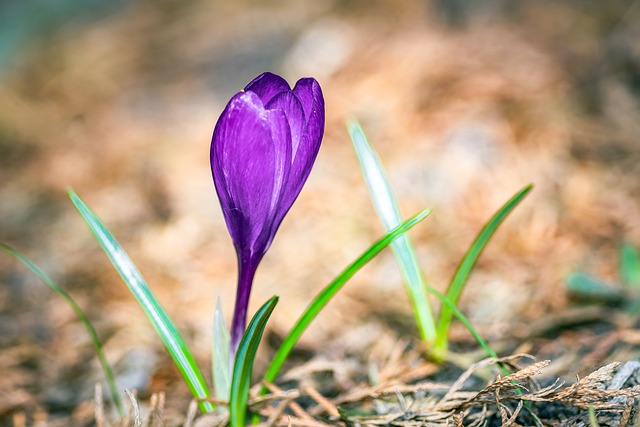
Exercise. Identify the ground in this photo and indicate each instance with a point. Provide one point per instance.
(465, 102)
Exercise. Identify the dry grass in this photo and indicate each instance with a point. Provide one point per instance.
(512, 400)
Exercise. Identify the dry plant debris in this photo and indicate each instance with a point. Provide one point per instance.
(525, 397)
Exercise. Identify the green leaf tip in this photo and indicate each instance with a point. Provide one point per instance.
(243, 367)
(466, 265)
(173, 341)
(221, 363)
(388, 210)
(95, 339)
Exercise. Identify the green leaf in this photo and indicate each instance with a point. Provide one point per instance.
(175, 345)
(221, 363)
(243, 366)
(386, 206)
(629, 265)
(323, 298)
(465, 321)
(586, 287)
(97, 343)
(465, 267)
(593, 418)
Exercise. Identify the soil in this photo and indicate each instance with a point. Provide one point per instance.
(465, 102)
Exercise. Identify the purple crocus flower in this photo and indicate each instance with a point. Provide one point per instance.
(262, 151)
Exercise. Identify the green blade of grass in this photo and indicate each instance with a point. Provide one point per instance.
(386, 206)
(466, 265)
(587, 287)
(467, 324)
(629, 265)
(220, 363)
(464, 320)
(175, 345)
(321, 300)
(593, 418)
(243, 367)
(97, 343)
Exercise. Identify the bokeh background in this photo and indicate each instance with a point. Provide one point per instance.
(466, 102)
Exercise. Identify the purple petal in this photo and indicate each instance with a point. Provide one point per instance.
(308, 92)
(289, 104)
(283, 150)
(267, 85)
(310, 95)
(248, 156)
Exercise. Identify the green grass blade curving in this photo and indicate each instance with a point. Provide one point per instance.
(386, 206)
(467, 324)
(593, 418)
(466, 265)
(321, 300)
(446, 302)
(175, 345)
(97, 343)
(629, 265)
(243, 366)
(220, 362)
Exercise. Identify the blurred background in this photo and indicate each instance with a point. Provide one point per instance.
(466, 102)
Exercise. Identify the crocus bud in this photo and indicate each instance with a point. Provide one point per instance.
(262, 151)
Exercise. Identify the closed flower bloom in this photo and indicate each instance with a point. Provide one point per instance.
(262, 151)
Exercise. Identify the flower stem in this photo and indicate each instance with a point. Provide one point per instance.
(246, 272)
